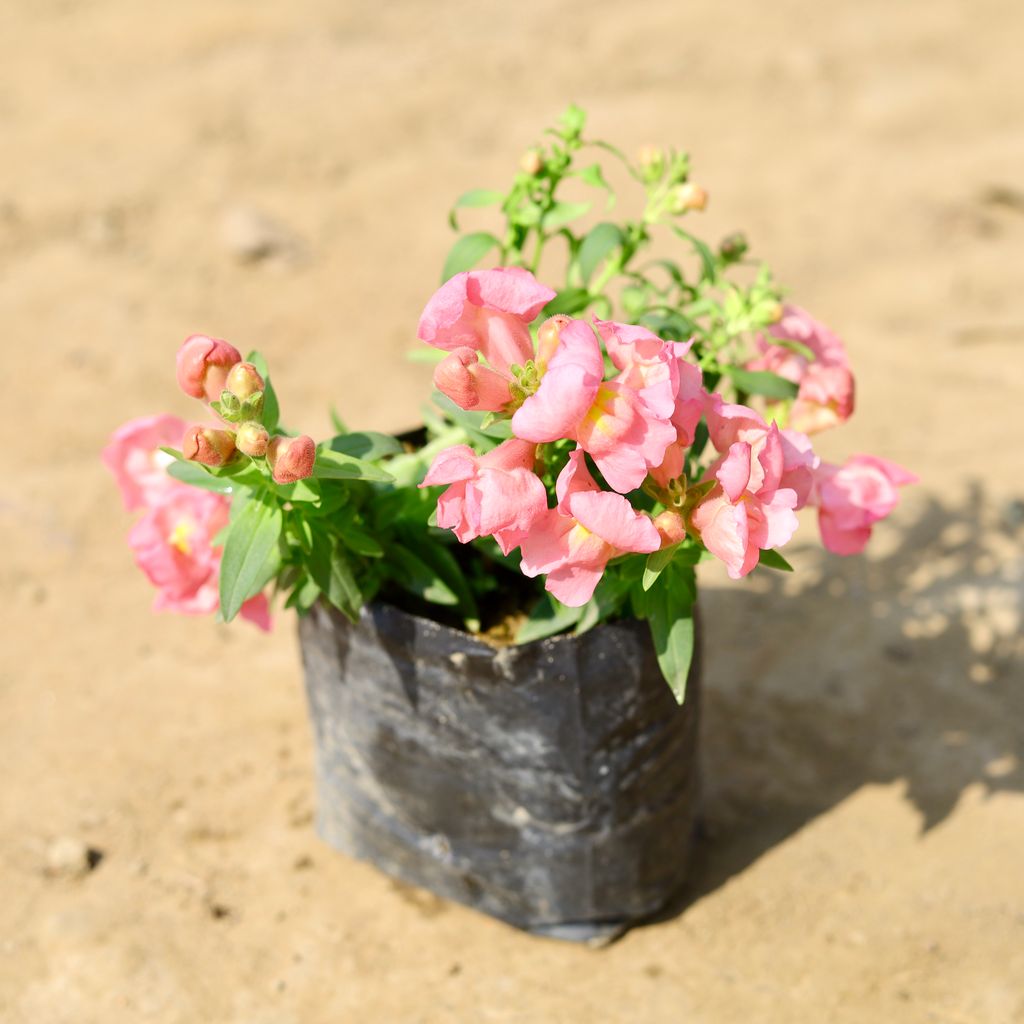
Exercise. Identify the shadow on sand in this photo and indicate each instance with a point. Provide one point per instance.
(907, 665)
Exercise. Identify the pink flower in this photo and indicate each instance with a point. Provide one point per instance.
(793, 460)
(203, 366)
(612, 421)
(291, 458)
(496, 494)
(488, 311)
(853, 497)
(133, 455)
(173, 546)
(573, 543)
(748, 510)
(826, 390)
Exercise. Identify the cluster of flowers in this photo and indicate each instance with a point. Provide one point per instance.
(174, 542)
(637, 427)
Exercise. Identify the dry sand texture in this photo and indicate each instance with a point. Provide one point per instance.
(278, 174)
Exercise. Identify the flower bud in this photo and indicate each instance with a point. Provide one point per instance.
(651, 160)
(203, 364)
(243, 380)
(687, 196)
(208, 445)
(468, 384)
(734, 247)
(548, 337)
(252, 439)
(291, 458)
(670, 527)
(531, 163)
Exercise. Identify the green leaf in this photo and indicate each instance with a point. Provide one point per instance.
(198, 476)
(271, 408)
(467, 252)
(359, 541)
(304, 595)
(569, 300)
(563, 213)
(333, 575)
(366, 444)
(332, 465)
(670, 617)
(593, 175)
(474, 197)
(761, 382)
(251, 554)
(473, 422)
(656, 564)
(707, 259)
(771, 559)
(548, 616)
(414, 575)
(597, 245)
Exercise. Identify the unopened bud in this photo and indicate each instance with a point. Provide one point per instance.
(208, 445)
(531, 163)
(470, 385)
(203, 364)
(687, 196)
(734, 247)
(651, 160)
(252, 440)
(291, 458)
(243, 380)
(670, 528)
(548, 337)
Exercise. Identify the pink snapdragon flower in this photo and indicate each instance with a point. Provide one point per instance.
(489, 311)
(826, 389)
(496, 494)
(133, 455)
(852, 497)
(748, 510)
(793, 460)
(173, 546)
(574, 542)
(203, 365)
(613, 421)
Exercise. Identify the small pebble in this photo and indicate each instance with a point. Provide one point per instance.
(250, 236)
(68, 857)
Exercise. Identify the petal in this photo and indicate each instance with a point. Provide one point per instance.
(612, 518)
(451, 465)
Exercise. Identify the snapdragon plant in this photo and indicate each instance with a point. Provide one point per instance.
(591, 440)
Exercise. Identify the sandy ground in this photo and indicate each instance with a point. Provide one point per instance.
(864, 850)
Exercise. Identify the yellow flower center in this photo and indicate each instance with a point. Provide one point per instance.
(180, 535)
(601, 413)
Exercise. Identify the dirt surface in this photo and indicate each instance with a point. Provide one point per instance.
(278, 174)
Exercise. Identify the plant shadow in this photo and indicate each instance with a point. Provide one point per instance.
(904, 665)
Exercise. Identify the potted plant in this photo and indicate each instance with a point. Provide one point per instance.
(498, 610)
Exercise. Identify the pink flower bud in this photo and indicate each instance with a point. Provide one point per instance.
(531, 163)
(688, 196)
(291, 458)
(208, 445)
(470, 385)
(252, 439)
(243, 380)
(203, 365)
(670, 527)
